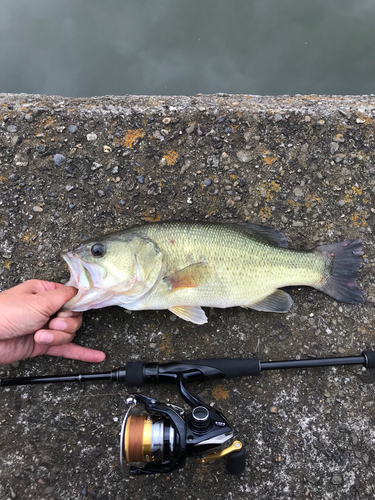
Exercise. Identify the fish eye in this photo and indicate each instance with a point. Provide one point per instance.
(98, 250)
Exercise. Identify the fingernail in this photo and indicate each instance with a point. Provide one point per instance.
(59, 325)
(45, 338)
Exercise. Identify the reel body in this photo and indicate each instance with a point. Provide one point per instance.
(165, 436)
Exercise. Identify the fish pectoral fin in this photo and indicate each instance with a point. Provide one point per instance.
(278, 301)
(195, 314)
(189, 277)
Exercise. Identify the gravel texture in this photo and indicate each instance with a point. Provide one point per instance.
(74, 168)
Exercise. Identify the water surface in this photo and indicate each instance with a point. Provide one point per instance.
(92, 47)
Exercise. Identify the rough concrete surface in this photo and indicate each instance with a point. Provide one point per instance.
(75, 168)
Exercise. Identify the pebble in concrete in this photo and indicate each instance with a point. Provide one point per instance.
(59, 160)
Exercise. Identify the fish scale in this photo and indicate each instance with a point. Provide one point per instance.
(243, 270)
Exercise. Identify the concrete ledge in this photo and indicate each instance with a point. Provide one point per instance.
(78, 167)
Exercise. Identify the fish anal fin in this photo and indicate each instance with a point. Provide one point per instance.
(189, 277)
(195, 314)
(278, 301)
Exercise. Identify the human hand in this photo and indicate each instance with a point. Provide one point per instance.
(26, 327)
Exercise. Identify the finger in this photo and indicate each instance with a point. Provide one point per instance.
(53, 337)
(38, 286)
(56, 298)
(68, 314)
(74, 351)
(68, 325)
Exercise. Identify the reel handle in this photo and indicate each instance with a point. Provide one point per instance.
(236, 462)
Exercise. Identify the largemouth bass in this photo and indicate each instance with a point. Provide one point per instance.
(184, 266)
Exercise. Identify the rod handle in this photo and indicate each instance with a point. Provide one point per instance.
(137, 373)
(226, 367)
(134, 375)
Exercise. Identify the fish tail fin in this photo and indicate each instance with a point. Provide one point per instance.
(344, 260)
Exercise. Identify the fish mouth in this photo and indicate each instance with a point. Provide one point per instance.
(93, 292)
(87, 278)
(79, 276)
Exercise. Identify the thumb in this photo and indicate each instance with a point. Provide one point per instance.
(54, 299)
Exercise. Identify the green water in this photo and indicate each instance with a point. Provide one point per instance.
(92, 47)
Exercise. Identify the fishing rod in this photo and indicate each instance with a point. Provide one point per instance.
(166, 435)
(137, 373)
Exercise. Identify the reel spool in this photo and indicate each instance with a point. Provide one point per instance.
(149, 439)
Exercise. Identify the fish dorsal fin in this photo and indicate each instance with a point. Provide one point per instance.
(189, 277)
(278, 301)
(195, 314)
(269, 235)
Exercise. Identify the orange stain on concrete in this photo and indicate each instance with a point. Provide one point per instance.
(171, 157)
(359, 219)
(310, 199)
(265, 212)
(220, 392)
(271, 188)
(131, 136)
(151, 216)
(365, 119)
(29, 237)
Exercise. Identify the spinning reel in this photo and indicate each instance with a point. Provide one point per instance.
(165, 436)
